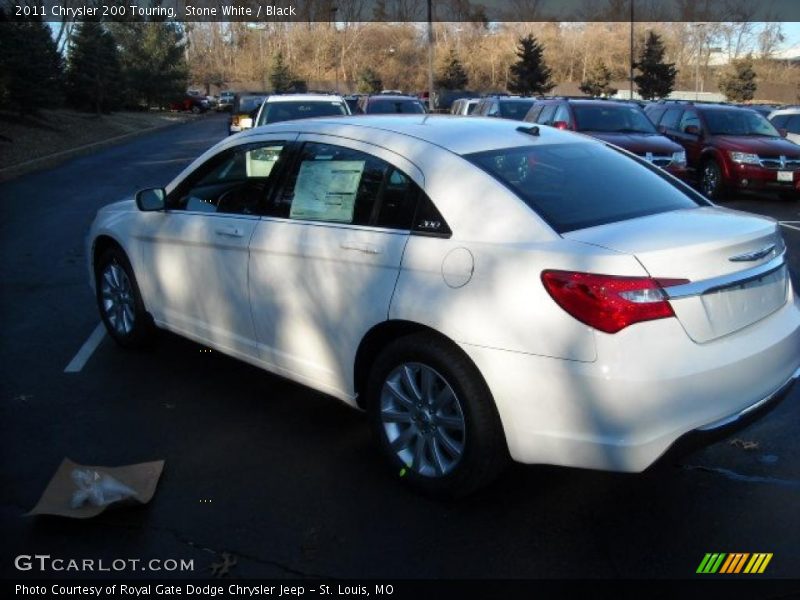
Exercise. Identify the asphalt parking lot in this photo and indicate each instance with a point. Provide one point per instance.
(285, 479)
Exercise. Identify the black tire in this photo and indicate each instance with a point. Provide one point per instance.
(711, 180)
(141, 330)
(484, 450)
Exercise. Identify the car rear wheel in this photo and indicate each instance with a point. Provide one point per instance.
(195, 110)
(711, 180)
(120, 302)
(434, 418)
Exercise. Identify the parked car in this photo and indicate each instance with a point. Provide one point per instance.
(443, 99)
(622, 124)
(244, 111)
(225, 101)
(382, 104)
(286, 107)
(483, 289)
(505, 107)
(190, 103)
(731, 148)
(464, 106)
(788, 120)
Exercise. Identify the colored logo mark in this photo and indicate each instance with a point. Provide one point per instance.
(736, 562)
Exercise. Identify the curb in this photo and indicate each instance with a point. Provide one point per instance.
(57, 158)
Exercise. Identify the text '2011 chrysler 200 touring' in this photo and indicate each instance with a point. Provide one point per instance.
(483, 289)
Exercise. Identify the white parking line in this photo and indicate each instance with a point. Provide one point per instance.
(790, 224)
(85, 353)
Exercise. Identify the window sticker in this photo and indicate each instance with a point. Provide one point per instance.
(326, 191)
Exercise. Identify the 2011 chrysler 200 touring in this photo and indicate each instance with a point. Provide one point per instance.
(484, 289)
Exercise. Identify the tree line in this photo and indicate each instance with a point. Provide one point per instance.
(357, 56)
(105, 66)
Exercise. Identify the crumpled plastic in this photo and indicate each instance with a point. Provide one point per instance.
(97, 488)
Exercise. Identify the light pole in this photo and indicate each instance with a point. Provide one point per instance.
(430, 56)
(631, 79)
(335, 47)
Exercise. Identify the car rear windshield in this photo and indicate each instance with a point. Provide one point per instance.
(249, 103)
(395, 106)
(515, 109)
(574, 186)
(738, 122)
(608, 118)
(275, 112)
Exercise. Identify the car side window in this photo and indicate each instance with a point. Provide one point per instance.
(236, 181)
(671, 118)
(779, 121)
(493, 109)
(562, 114)
(533, 113)
(546, 116)
(689, 118)
(793, 124)
(339, 185)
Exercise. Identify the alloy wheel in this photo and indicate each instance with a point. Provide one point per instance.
(117, 298)
(422, 420)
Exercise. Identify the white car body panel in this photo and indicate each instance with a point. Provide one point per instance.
(297, 297)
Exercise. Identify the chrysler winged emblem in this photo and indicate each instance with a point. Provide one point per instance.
(751, 256)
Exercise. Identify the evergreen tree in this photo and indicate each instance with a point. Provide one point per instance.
(530, 75)
(656, 78)
(280, 76)
(369, 82)
(453, 76)
(598, 81)
(31, 69)
(739, 84)
(94, 76)
(152, 59)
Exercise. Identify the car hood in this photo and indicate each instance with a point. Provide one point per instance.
(638, 143)
(757, 145)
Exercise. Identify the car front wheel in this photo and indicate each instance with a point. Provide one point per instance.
(712, 180)
(119, 301)
(434, 418)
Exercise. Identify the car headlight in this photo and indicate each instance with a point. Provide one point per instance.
(745, 158)
(679, 158)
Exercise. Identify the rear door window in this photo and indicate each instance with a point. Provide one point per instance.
(546, 116)
(671, 118)
(574, 186)
(335, 184)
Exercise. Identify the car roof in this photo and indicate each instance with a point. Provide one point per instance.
(392, 97)
(458, 134)
(304, 98)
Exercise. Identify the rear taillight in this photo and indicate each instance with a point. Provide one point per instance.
(607, 302)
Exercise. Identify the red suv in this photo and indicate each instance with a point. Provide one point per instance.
(730, 147)
(620, 123)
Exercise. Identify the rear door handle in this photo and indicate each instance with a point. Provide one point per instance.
(229, 231)
(360, 247)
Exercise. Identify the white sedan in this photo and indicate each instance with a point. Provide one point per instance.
(484, 290)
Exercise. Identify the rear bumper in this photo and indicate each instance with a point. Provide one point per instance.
(650, 386)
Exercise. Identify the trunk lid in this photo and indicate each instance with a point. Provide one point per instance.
(733, 261)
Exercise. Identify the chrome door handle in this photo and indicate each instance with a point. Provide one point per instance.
(229, 231)
(360, 247)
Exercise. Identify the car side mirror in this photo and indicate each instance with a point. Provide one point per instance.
(151, 199)
(662, 129)
(783, 132)
(560, 125)
(692, 130)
